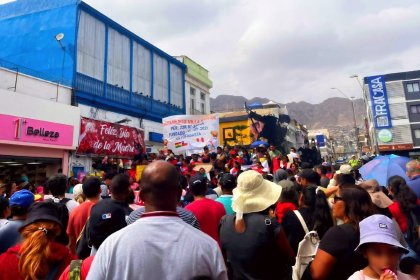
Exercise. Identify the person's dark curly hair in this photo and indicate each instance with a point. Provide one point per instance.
(406, 198)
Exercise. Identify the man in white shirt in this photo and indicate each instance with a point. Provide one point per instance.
(159, 245)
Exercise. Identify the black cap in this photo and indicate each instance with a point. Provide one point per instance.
(227, 181)
(106, 217)
(42, 211)
(197, 179)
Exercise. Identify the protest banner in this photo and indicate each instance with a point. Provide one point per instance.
(185, 133)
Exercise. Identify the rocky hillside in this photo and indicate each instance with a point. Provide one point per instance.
(333, 112)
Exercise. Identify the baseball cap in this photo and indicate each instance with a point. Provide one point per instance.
(227, 181)
(106, 217)
(379, 229)
(197, 179)
(345, 169)
(22, 198)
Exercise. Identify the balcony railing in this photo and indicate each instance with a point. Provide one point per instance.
(136, 105)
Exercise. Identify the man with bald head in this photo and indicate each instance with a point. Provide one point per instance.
(413, 173)
(159, 245)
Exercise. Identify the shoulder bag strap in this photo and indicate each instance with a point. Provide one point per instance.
(301, 220)
(83, 229)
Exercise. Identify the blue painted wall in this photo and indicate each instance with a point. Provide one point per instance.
(27, 39)
(28, 29)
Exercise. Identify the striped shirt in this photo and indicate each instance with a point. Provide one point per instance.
(185, 215)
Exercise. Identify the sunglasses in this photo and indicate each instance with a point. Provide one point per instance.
(337, 198)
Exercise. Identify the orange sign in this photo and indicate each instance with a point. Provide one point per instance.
(396, 147)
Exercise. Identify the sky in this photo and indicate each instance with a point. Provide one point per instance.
(294, 50)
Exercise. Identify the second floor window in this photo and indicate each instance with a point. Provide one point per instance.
(413, 87)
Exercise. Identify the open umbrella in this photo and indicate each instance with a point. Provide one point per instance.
(258, 143)
(382, 168)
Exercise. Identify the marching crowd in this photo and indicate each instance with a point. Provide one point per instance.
(233, 214)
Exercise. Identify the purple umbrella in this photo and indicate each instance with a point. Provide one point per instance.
(382, 168)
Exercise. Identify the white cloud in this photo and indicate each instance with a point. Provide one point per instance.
(284, 50)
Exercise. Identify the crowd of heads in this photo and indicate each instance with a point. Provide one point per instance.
(262, 182)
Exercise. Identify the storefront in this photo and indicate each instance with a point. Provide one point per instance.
(36, 136)
(106, 146)
(33, 148)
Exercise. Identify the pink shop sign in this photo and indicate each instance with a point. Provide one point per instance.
(19, 129)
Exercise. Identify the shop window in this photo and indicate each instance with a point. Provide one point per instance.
(417, 133)
(413, 87)
(415, 109)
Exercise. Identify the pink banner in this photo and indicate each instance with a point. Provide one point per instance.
(19, 129)
(104, 138)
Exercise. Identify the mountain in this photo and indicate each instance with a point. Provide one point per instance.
(333, 112)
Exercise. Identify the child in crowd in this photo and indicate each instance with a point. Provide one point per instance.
(379, 244)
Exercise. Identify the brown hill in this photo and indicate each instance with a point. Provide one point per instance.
(333, 112)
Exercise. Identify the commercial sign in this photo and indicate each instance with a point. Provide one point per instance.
(104, 138)
(191, 133)
(379, 98)
(320, 140)
(18, 129)
(385, 135)
(396, 147)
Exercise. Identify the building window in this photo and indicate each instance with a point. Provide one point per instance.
(417, 133)
(192, 104)
(192, 91)
(160, 70)
(203, 110)
(177, 90)
(415, 109)
(90, 47)
(118, 59)
(141, 70)
(202, 96)
(413, 87)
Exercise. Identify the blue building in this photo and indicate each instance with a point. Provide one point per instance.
(107, 66)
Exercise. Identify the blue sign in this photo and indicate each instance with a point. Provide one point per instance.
(155, 137)
(379, 98)
(320, 140)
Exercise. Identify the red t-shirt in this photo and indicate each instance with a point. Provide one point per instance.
(208, 213)
(399, 216)
(282, 208)
(78, 218)
(84, 269)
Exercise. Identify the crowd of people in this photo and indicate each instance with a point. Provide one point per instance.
(233, 214)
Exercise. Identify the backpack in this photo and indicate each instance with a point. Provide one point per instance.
(63, 216)
(75, 272)
(413, 233)
(306, 250)
(83, 247)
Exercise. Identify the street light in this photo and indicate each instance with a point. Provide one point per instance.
(351, 98)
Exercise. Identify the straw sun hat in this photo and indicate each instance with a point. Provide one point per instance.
(253, 193)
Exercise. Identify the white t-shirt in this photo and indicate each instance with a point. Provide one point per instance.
(358, 275)
(158, 247)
